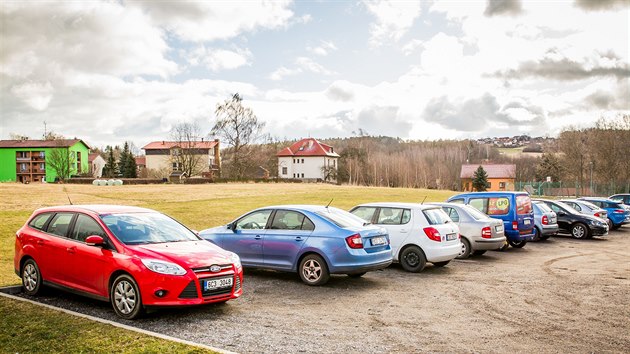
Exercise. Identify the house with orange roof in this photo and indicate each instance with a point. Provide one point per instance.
(166, 156)
(309, 160)
(501, 177)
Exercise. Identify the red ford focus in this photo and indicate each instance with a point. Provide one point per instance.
(133, 257)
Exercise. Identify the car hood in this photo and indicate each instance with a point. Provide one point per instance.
(192, 254)
(214, 230)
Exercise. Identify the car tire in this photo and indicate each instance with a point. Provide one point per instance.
(479, 253)
(518, 244)
(610, 224)
(465, 252)
(313, 270)
(357, 275)
(441, 264)
(412, 259)
(615, 227)
(125, 297)
(579, 231)
(31, 278)
(544, 237)
(505, 246)
(536, 234)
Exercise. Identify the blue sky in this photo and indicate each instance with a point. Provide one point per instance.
(113, 71)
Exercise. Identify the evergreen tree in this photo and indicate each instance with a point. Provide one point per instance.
(110, 170)
(480, 180)
(123, 161)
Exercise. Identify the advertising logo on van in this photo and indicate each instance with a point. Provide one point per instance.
(498, 206)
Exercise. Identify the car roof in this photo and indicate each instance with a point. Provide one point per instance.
(599, 199)
(97, 208)
(401, 205)
(300, 207)
(491, 193)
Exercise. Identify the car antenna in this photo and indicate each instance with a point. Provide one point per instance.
(327, 205)
(67, 195)
(423, 199)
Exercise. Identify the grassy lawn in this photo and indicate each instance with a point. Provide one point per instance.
(197, 206)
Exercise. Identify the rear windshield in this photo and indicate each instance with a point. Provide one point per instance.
(436, 216)
(543, 207)
(341, 218)
(590, 205)
(523, 205)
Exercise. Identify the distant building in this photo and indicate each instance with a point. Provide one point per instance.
(141, 166)
(96, 165)
(163, 156)
(27, 161)
(500, 177)
(308, 159)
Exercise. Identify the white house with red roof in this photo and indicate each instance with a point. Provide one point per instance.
(163, 155)
(308, 159)
(96, 164)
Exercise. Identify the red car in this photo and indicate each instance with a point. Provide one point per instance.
(133, 257)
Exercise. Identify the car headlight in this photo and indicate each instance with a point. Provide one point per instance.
(163, 267)
(236, 260)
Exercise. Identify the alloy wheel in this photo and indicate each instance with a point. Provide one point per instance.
(30, 277)
(125, 297)
(312, 270)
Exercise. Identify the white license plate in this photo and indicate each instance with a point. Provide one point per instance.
(498, 228)
(217, 283)
(378, 241)
(451, 237)
(526, 222)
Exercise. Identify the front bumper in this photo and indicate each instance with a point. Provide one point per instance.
(186, 290)
(599, 230)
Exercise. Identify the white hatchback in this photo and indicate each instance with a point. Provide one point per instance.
(418, 233)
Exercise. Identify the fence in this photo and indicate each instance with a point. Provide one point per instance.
(572, 189)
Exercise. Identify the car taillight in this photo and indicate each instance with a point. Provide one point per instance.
(598, 215)
(433, 234)
(545, 220)
(486, 232)
(514, 225)
(354, 241)
(619, 211)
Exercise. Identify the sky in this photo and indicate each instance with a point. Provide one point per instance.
(114, 71)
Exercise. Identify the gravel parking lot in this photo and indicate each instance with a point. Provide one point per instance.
(559, 295)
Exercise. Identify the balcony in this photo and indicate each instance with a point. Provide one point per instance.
(23, 159)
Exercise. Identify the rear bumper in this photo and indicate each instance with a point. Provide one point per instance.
(360, 268)
(488, 244)
(443, 253)
(516, 236)
(549, 229)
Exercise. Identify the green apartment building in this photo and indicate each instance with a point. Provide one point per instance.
(26, 160)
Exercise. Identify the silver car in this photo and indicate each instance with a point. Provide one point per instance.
(479, 232)
(545, 221)
(588, 208)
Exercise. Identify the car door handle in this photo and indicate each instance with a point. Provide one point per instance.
(71, 249)
(257, 237)
(298, 238)
(40, 242)
(403, 231)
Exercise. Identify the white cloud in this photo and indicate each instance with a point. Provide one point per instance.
(199, 21)
(393, 19)
(412, 46)
(302, 65)
(323, 49)
(217, 59)
(35, 94)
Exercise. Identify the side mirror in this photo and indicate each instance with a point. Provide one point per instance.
(231, 226)
(95, 240)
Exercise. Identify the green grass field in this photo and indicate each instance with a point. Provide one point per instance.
(197, 206)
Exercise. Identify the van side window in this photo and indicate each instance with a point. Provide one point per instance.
(480, 204)
(457, 201)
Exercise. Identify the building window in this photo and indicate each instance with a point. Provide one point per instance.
(302, 160)
(176, 152)
(489, 185)
(302, 175)
(42, 166)
(501, 185)
(175, 166)
(334, 163)
(294, 175)
(42, 154)
(22, 167)
(284, 171)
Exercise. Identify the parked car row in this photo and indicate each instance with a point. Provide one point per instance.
(137, 258)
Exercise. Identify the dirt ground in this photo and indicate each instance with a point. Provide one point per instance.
(561, 295)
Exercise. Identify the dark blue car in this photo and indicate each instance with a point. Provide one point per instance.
(514, 208)
(618, 214)
(314, 241)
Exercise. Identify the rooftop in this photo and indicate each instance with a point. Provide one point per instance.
(308, 147)
(493, 171)
(158, 145)
(40, 143)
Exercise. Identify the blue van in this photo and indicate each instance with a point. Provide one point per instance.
(514, 208)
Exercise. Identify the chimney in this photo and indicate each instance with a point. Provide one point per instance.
(202, 140)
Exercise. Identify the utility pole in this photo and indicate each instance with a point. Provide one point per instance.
(590, 164)
(45, 132)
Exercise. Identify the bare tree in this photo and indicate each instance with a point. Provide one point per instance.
(239, 127)
(187, 155)
(61, 160)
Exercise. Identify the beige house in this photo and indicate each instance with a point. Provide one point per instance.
(309, 160)
(96, 165)
(167, 157)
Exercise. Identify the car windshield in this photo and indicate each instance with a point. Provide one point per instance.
(147, 228)
(436, 216)
(476, 214)
(341, 218)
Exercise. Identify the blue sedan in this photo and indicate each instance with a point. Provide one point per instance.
(314, 241)
(617, 214)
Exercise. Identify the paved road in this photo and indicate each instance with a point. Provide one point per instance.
(559, 295)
